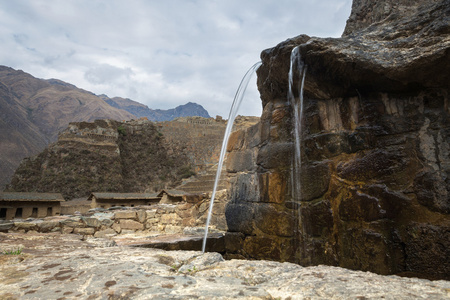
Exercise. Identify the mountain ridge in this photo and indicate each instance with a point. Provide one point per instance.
(140, 110)
(33, 111)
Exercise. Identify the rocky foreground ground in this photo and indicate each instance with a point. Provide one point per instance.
(67, 266)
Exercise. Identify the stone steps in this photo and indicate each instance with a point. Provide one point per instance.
(204, 182)
(196, 190)
(201, 186)
(209, 177)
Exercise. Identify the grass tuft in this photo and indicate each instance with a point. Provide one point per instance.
(18, 251)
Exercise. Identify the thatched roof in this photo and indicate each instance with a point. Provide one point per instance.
(22, 196)
(172, 193)
(124, 196)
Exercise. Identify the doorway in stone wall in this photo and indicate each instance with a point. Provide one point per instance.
(18, 213)
(49, 211)
(3, 213)
(34, 213)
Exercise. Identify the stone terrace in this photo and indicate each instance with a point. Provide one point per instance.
(204, 182)
(154, 219)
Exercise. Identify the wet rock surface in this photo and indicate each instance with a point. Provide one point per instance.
(58, 266)
(375, 152)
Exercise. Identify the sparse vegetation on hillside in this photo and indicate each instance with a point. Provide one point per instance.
(138, 161)
(34, 111)
(148, 163)
(72, 171)
(121, 130)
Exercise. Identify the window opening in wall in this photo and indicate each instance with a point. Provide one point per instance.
(49, 211)
(3, 213)
(34, 213)
(132, 205)
(18, 213)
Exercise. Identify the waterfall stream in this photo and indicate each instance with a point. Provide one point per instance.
(297, 73)
(233, 112)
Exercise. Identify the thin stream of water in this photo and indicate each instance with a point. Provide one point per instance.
(297, 67)
(233, 112)
(296, 64)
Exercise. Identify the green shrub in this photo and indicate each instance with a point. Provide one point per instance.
(122, 130)
(186, 172)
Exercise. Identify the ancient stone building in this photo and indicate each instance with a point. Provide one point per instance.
(107, 200)
(134, 156)
(14, 205)
(171, 196)
(200, 138)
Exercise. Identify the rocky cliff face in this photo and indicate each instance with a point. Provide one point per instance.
(375, 189)
(104, 155)
(132, 156)
(33, 111)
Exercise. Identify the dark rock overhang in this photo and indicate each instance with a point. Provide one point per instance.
(397, 54)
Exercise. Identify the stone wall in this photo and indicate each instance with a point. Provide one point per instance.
(27, 209)
(158, 218)
(200, 138)
(75, 206)
(101, 132)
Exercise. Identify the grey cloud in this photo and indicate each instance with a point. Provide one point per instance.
(105, 73)
(162, 53)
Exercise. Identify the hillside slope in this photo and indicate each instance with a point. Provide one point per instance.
(19, 137)
(131, 156)
(104, 155)
(34, 110)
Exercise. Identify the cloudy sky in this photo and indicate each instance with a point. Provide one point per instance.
(162, 53)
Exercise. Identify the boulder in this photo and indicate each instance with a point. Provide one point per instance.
(131, 224)
(141, 215)
(84, 231)
(125, 214)
(116, 227)
(5, 226)
(48, 226)
(372, 191)
(92, 222)
(107, 233)
(73, 222)
(25, 226)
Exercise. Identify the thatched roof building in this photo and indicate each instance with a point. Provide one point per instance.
(106, 200)
(20, 205)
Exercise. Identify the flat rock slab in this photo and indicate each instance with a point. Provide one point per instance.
(215, 242)
(55, 266)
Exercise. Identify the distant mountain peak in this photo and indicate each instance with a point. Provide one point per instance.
(189, 109)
